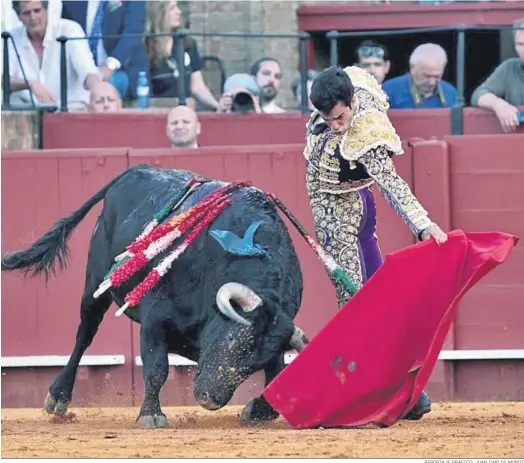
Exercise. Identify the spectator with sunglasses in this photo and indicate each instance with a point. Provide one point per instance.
(423, 87)
(374, 58)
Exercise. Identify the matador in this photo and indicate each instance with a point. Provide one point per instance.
(350, 145)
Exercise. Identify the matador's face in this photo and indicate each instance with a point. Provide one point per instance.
(339, 118)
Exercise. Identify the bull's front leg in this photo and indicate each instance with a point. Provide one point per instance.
(258, 410)
(154, 352)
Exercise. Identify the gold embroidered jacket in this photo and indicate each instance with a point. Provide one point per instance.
(362, 155)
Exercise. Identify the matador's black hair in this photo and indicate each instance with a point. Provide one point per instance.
(332, 86)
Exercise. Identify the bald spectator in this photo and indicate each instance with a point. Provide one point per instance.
(104, 98)
(503, 90)
(183, 127)
(423, 87)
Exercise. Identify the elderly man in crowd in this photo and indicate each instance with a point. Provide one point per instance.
(423, 87)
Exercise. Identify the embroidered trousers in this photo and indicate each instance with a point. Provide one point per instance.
(345, 226)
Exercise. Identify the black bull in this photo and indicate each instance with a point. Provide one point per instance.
(233, 315)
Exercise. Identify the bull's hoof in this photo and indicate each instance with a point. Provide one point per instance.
(55, 406)
(257, 412)
(158, 420)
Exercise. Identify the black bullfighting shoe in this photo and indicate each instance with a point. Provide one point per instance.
(422, 407)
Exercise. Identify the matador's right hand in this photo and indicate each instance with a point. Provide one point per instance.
(434, 231)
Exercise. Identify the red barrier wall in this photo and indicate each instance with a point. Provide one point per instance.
(475, 183)
(452, 178)
(83, 130)
(38, 188)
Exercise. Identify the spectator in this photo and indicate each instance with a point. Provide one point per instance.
(120, 59)
(104, 98)
(374, 58)
(163, 17)
(423, 87)
(241, 95)
(296, 88)
(268, 76)
(503, 90)
(39, 54)
(183, 127)
(10, 17)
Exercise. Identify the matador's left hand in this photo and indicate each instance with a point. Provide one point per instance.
(434, 231)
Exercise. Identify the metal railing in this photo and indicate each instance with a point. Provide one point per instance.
(457, 115)
(220, 64)
(179, 37)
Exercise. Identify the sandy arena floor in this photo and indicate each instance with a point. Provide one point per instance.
(480, 430)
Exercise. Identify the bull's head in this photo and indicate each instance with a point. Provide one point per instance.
(234, 351)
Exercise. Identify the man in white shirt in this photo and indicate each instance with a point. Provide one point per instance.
(10, 18)
(39, 53)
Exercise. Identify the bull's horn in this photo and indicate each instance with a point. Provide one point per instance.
(243, 295)
(298, 340)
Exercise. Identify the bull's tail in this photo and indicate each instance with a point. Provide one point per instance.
(43, 254)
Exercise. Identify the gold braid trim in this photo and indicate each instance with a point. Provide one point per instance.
(363, 80)
(370, 127)
(369, 130)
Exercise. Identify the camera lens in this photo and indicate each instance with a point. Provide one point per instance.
(243, 103)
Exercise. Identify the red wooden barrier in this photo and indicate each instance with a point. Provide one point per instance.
(475, 183)
(486, 177)
(38, 188)
(148, 130)
(459, 180)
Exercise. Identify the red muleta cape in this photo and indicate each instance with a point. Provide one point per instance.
(369, 364)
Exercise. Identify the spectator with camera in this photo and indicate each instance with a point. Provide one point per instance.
(241, 94)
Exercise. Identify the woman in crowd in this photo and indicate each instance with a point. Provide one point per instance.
(164, 17)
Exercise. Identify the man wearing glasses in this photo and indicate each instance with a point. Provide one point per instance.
(374, 58)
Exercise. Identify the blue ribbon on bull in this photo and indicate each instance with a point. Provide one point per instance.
(240, 246)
